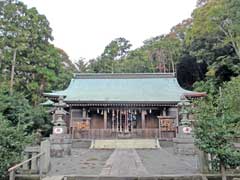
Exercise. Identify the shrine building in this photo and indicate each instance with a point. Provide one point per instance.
(109, 106)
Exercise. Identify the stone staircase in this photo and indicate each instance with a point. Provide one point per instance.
(125, 144)
(55, 178)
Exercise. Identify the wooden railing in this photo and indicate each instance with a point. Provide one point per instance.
(112, 134)
(35, 165)
(36, 161)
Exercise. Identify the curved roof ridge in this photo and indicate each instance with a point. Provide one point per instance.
(122, 75)
(143, 87)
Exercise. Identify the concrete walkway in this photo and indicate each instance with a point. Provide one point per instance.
(124, 162)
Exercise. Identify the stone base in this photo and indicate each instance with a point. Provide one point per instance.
(184, 145)
(60, 145)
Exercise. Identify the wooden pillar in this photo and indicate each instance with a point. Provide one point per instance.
(159, 127)
(126, 120)
(105, 118)
(164, 111)
(113, 119)
(84, 113)
(177, 116)
(143, 118)
(120, 118)
(117, 120)
(131, 121)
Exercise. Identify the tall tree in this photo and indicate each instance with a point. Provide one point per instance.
(13, 36)
(116, 49)
(218, 125)
(215, 37)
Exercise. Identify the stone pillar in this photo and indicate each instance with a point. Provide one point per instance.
(45, 159)
(33, 151)
(34, 163)
(26, 157)
(105, 118)
(143, 118)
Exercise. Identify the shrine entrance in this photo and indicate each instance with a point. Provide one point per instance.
(106, 123)
(124, 121)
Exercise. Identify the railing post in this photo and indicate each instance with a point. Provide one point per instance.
(34, 168)
(44, 163)
(12, 175)
(26, 165)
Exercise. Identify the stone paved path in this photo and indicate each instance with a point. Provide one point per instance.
(81, 162)
(124, 162)
(164, 162)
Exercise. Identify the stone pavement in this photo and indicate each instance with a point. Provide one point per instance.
(81, 162)
(124, 163)
(165, 162)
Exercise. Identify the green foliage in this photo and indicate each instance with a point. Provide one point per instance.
(218, 125)
(18, 112)
(39, 65)
(158, 54)
(214, 37)
(12, 143)
(116, 49)
(231, 96)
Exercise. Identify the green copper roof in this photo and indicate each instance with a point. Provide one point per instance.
(123, 88)
(47, 103)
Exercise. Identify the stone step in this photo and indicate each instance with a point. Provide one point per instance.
(54, 178)
(125, 144)
(81, 143)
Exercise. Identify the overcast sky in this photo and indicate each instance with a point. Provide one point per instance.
(82, 28)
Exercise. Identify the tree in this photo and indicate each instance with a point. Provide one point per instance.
(218, 126)
(214, 37)
(12, 143)
(82, 65)
(13, 37)
(116, 49)
(17, 110)
(37, 65)
(164, 52)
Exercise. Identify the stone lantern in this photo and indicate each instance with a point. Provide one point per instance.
(60, 141)
(184, 142)
(59, 123)
(185, 124)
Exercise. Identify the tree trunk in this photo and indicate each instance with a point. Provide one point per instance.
(12, 71)
(223, 171)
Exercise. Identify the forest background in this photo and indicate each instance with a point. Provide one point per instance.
(203, 51)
